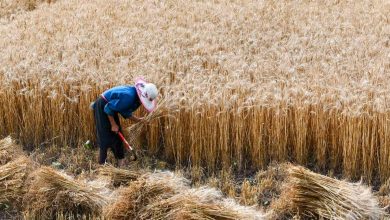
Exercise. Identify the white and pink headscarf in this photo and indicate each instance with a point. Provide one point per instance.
(147, 93)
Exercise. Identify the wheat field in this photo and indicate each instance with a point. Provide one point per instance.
(243, 83)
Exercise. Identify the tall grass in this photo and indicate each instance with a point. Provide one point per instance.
(247, 82)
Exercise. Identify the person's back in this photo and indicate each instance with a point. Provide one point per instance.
(121, 99)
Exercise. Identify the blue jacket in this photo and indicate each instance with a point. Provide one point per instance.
(122, 99)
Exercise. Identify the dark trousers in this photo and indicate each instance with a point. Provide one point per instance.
(105, 137)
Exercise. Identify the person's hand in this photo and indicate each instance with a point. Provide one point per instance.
(115, 128)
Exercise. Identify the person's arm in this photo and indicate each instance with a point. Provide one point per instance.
(114, 126)
(110, 108)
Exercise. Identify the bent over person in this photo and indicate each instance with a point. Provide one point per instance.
(123, 100)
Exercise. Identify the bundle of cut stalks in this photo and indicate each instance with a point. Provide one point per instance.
(9, 150)
(384, 190)
(176, 181)
(13, 177)
(312, 194)
(135, 130)
(119, 176)
(147, 189)
(383, 196)
(164, 195)
(384, 202)
(198, 203)
(270, 184)
(243, 212)
(53, 193)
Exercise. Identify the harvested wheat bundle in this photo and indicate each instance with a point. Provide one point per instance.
(385, 188)
(383, 196)
(324, 197)
(9, 150)
(270, 184)
(134, 198)
(119, 176)
(176, 181)
(135, 130)
(145, 190)
(53, 193)
(243, 212)
(13, 177)
(197, 203)
(101, 185)
(384, 202)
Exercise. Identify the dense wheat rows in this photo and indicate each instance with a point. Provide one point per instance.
(245, 82)
(9, 9)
